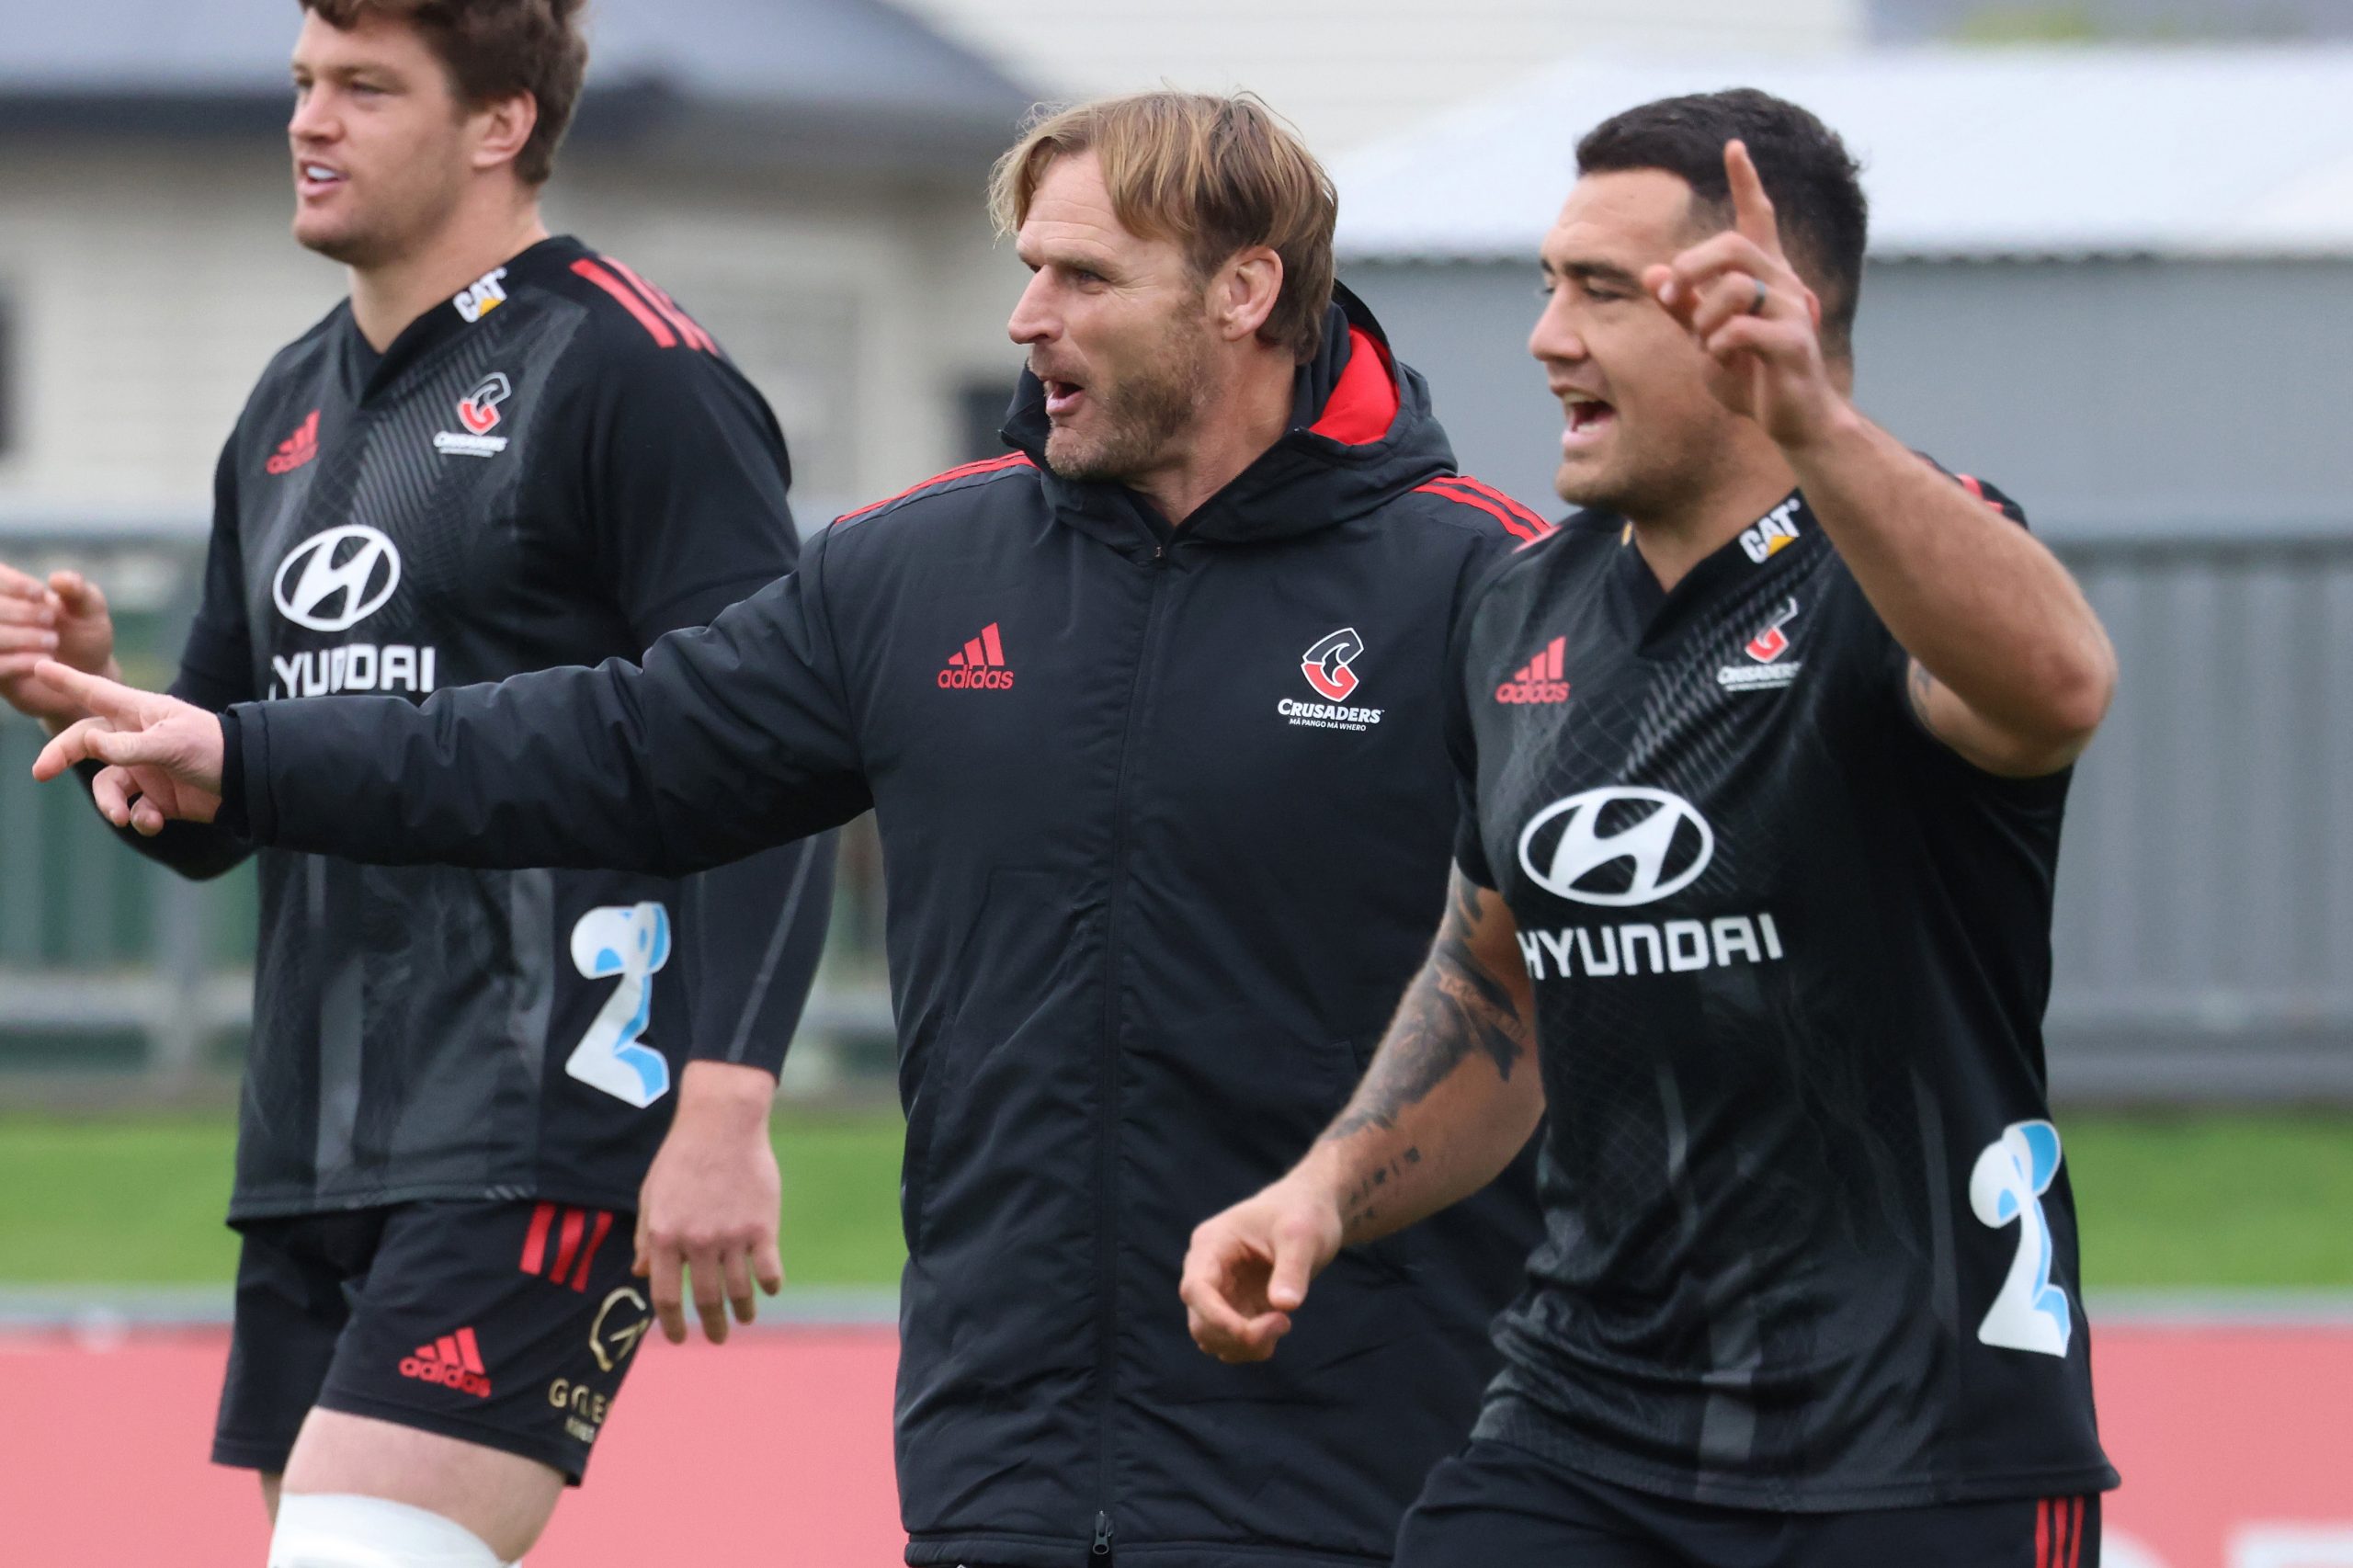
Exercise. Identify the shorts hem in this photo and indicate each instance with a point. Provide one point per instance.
(246, 1208)
(257, 1454)
(1684, 1487)
(1010, 1551)
(564, 1458)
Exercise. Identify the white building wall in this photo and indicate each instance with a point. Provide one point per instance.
(1349, 70)
(149, 285)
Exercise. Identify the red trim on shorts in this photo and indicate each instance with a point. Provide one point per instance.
(588, 1254)
(535, 1245)
(575, 1221)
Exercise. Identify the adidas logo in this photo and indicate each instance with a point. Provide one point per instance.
(454, 1361)
(979, 666)
(297, 448)
(1539, 679)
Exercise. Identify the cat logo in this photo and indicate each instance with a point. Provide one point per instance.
(1774, 532)
(481, 297)
(610, 1340)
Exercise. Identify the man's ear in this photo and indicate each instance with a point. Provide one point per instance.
(1245, 292)
(503, 126)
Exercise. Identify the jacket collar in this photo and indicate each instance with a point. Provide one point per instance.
(1361, 433)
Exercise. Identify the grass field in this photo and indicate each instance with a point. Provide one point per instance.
(2206, 1201)
(138, 1202)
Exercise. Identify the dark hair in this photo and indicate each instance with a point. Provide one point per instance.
(1814, 181)
(493, 50)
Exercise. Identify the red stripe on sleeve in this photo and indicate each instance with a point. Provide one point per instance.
(588, 1254)
(986, 465)
(535, 1245)
(630, 303)
(1492, 494)
(575, 1221)
(693, 335)
(1512, 525)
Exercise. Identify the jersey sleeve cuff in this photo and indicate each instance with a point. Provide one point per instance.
(237, 814)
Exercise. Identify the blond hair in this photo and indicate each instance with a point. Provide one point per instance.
(1209, 173)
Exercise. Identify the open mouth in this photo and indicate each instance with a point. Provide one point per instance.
(1061, 398)
(1588, 420)
(314, 179)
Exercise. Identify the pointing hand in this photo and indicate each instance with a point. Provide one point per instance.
(1749, 311)
(163, 755)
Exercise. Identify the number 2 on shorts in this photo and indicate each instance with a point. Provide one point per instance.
(631, 941)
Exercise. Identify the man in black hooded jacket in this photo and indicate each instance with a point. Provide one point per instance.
(1150, 712)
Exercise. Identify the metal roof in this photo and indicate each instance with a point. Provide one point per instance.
(830, 69)
(1966, 153)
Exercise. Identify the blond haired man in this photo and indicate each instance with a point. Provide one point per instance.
(1149, 711)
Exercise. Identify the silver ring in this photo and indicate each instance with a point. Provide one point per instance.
(1757, 306)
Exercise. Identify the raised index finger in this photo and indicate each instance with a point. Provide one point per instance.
(1752, 210)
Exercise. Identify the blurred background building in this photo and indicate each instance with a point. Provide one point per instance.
(2113, 270)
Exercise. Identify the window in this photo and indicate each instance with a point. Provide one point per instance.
(980, 415)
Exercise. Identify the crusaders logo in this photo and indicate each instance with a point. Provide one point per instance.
(478, 410)
(1325, 665)
(1772, 642)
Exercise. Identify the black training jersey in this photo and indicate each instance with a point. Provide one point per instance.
(554, 468)
(1809, 1244)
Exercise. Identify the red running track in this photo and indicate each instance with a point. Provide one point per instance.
(2236, 1446)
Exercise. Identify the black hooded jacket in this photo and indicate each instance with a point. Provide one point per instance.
(1167, 819)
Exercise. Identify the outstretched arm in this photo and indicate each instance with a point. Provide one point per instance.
(727, 740)
(1450, 1097)
(2009, 666)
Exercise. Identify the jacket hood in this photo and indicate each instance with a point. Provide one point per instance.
(1362, 434)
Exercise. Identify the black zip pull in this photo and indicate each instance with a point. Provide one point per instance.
(1103, 1535)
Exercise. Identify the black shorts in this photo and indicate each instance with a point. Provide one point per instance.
(1492, 1506)
(510, 1325)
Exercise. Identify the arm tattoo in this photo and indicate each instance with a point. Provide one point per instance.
(1357, 1208)
(1454, 1007)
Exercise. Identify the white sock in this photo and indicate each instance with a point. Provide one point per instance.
(339, 1529)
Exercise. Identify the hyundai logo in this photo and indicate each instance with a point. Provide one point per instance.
(1619, 845)
(345, 575)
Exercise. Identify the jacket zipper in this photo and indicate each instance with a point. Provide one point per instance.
(1106, 1140)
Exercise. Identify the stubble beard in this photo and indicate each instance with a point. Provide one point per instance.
(1658, 484)
(1143, 417)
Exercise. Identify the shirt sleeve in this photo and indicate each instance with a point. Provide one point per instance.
(1890, 672)
(216, 669)
(685, 489)
(686, 502)
(1461, 738)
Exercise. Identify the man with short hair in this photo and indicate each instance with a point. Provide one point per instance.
(1147, 711)
(504, 451)
(1764, 755)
